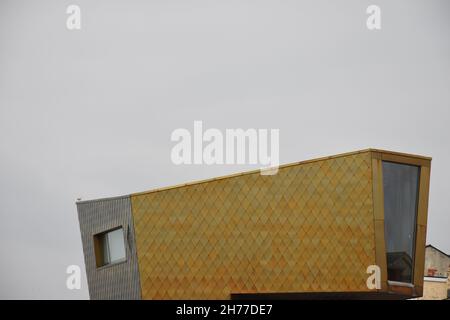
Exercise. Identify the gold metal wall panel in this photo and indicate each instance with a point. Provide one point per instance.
(378, 206)
(309, 228)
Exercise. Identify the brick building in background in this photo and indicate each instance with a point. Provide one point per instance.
(436, 284)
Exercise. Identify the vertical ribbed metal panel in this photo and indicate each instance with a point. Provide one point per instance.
(117, 281)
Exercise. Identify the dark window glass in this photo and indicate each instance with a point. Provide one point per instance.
(400, 184)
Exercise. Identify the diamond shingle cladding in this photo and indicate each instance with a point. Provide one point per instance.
(308, 228)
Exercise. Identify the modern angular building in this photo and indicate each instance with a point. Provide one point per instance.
(310, 231)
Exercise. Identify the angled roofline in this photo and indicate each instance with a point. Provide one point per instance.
(102, 199)
(431, 246)
(258, 170)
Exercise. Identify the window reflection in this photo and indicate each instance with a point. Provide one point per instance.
(400, 184)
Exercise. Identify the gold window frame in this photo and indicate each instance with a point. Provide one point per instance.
(424, 163)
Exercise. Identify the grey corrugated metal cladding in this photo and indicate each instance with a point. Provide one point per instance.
(118, 281)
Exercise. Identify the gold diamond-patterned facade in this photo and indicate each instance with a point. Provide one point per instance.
(309, 228)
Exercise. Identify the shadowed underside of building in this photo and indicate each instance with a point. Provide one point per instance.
(310, 231)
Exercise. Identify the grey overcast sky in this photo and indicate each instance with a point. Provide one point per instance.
(89, 113)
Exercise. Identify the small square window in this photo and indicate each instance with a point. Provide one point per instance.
(109, 247)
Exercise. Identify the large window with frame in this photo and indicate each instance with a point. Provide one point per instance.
(400, 186)
(109, 247)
